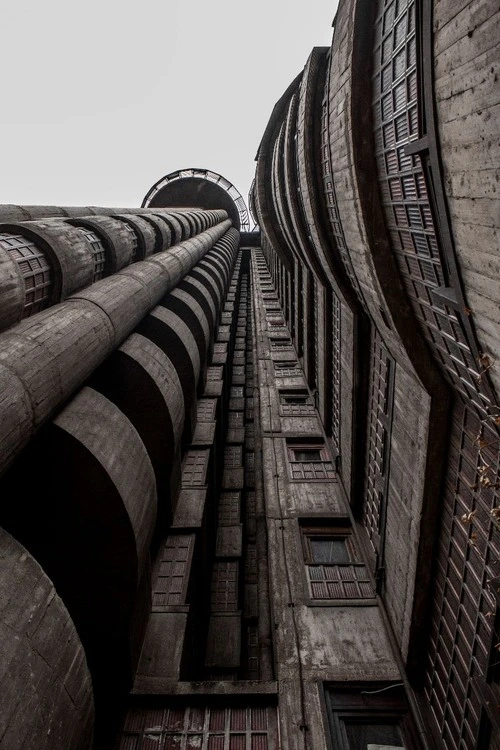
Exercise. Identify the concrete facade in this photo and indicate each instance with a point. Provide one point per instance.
(249, 480)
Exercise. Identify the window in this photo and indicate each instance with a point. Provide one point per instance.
(306, 454)
(291, 399)
(274, 320)
(309, 461)
(194, 469)
(295, 403)
(281, 343)
(286, 369)
(333, 550)
(174, 725)
(332, 563)
(370, 717)
(172, 571)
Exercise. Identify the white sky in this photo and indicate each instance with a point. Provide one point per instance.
(99, 99)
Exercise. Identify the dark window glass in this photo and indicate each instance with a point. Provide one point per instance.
(371, 716)
(307, 454)
(329, 551)
(374, 736)
(294, 399)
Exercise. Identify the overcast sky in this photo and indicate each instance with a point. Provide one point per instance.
(99, 99)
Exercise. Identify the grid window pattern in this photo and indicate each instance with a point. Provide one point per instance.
(236, 391)
(296, 403)
(250, 513)
(34, 268)
(194, 470)
(316, 330)
(468, 554)
(229, 509)
(336, 368)
(379, 442)
(279, 344)
(287, 369)
(206, 409)
(310, 462)
(170, 586)
(98, 252)
(252, 652)
(224, 589)
(233, 456)
(250, 563)
(214, 372)
(200, 728)
(274, 328)
(339, 582)
(235, 419)
(333, 571)
(405, 198)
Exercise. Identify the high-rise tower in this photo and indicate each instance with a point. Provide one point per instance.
(249, 480)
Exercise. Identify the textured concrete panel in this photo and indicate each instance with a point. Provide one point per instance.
(46, 700)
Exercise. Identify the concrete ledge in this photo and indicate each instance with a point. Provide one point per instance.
(162, 686)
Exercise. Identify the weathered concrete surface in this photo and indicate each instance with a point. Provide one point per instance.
(46, 700)
(467, 69)
(43, 361)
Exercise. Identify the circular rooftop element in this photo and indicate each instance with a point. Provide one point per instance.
(199, 188)
(251, 202)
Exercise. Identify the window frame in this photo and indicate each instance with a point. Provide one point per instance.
(304, 407)
(332, 532)
(351, 587)
(305, 444)
(382, 701)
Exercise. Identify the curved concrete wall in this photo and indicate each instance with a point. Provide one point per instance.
(43, 360)
(467, 98)
(111, 458)
(92, 531)
(46, 260)
(46, 701)
(326, 125)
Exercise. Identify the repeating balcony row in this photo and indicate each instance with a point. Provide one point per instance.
(44, 261)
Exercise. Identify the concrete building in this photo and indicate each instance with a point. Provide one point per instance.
(250, 480)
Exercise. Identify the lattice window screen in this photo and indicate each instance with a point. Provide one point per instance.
(339, 582)
(468, 557)
(405, 198)
(200, 728)
(34, 268)
(229, 508)
(171, 581)
(224, 590)
(194, 470)
(233, 456)
(336, 368)
(382, 372)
